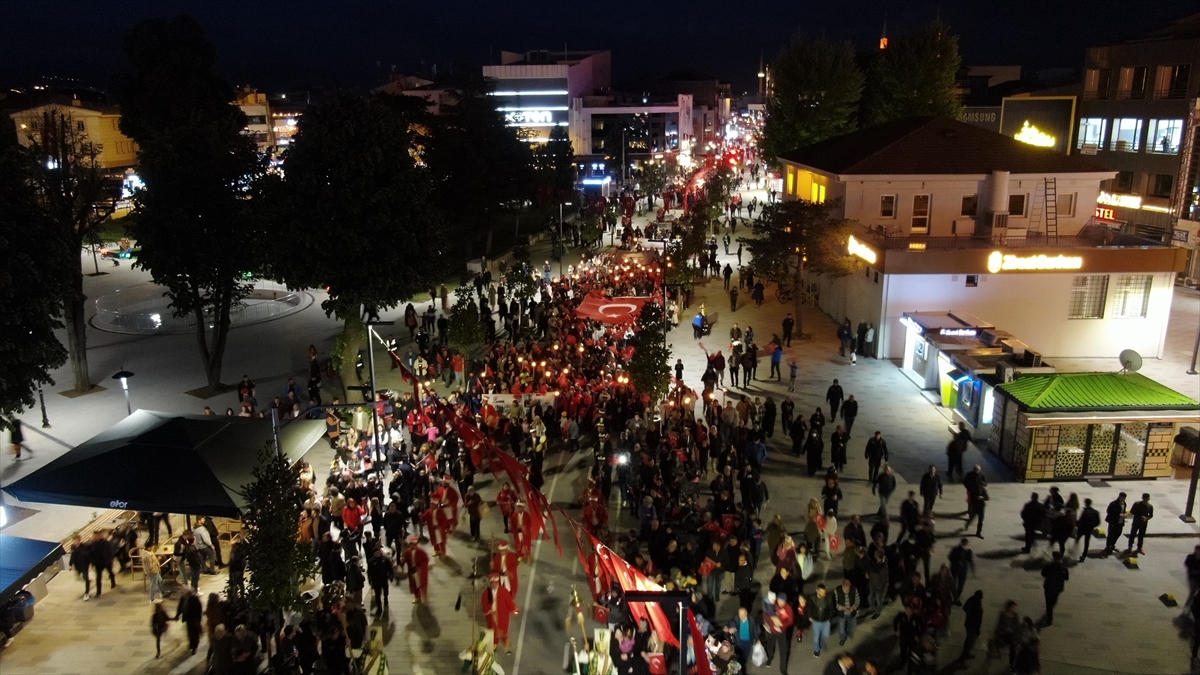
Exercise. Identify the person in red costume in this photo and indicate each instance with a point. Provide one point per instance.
(416, 564)
(522, 529)
(506, 499)
(599, 582)
(498, 608)
(504, 563)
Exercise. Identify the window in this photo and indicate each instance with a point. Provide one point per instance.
(1016, 206)
(1163, 136)
(1065, 205)
(817, 193)
(1096, 83)
(920, 217)
(970, 204)
(79, 125)
(1161, 184)
(1087, 297)
(1123, 181)
(1131, 296)
(887, 206)
(1127, 134)
(791, 185)
(972, 280)
(1131, 83)
(1171, 81)
(1091, 133)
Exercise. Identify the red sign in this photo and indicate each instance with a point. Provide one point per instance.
(1105, 213)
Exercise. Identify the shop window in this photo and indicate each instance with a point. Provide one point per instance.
(1172, 81)
(1163, 136)
(1131, 296)
(887, 206)
(920, 217)
(1123, 182)
(1161, 184)
(970, 204)
(1087, 297)
(972, 280)
(1016, 206)
(1091, 133)
(1127, 134)
(1131, 448)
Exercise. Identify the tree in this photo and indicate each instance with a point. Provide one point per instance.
(809, 229)
(196, 216)
(33, 282)
(656, 177)
(480, 167)
(355, 216)
(817, 85)
(465, 330)
(650, 367)
(915, 75)
(76, 199)
(277, 563)
(554, 164)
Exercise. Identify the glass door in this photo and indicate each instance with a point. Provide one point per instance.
(1101, 450)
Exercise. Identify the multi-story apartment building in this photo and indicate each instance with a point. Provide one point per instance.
(101, 124)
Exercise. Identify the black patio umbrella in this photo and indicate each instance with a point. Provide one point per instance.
(157, 461)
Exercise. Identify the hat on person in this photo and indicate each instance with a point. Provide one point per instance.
(502, 545)
(413, 539)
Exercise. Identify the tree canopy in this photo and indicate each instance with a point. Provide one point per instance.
(650, 367)
(32, 274)
(196, 214)
(816, 88)
(915, 75)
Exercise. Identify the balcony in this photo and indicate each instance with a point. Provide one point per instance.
(1092, 236)
(1175, 92)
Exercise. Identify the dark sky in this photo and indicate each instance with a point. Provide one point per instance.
(295, 43)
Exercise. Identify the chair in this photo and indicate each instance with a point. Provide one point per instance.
(136, 566)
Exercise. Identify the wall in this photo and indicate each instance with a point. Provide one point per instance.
(857, 296)
(1033, 307)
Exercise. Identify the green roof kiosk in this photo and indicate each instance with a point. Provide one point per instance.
(1078, 426)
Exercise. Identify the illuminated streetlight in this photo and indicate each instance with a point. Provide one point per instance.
(124, 376)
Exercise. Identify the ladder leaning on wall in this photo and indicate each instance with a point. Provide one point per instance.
(1045, 209)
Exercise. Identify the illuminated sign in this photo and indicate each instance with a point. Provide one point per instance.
(1005, 262)
(958, 332)
(521, 117)
(1034, 136)
(1125, 201)
(1105, 213)
(857, 248)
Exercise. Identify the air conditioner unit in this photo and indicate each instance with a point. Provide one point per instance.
(1005, 372)
(1033, 359)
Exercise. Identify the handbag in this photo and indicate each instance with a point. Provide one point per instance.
(758, 655)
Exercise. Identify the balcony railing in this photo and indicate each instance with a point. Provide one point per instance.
(1097, 237)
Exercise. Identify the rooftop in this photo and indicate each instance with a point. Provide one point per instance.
(1099, 392)
(1091, 236)
(1186, 28)
(933, 146)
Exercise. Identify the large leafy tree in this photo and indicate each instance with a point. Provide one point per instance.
(33, 282)
(76, 198)
(276, 562)
(196, 217)
(793, 237)
(554, 164)
(650, 367)
(915, 75)
(355, 215)
(817, 86)
(480, 168)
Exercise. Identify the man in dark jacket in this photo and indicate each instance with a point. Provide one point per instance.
(876, 454)
(834, 396)
(1089, 520)
(1032, 515)
(973, 609)
(789, 324)
(191, 613)
(1115, 517)
(1141, 512)
(976, 484)
(931, 487)
(379, 575)
(820, 611)
(1055, 577)
(849, 413)
(910, 515)
(100, 552)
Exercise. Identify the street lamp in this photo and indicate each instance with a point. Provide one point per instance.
(371, 364)
(562, 248)
(124, 376)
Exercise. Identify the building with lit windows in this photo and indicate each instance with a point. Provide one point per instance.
(99, 122)
(260, 125)
(952, 217)
(534, 90)
(1139, 116)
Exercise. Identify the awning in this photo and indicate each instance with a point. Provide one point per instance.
(22, 560)
(157, 461)
(610, 310)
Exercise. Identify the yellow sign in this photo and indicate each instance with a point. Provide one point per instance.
(1005, 262)
(1125, 201)
(857, 248)
(1034, 136)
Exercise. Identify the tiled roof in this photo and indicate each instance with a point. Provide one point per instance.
(1100, 392)
(933, 146)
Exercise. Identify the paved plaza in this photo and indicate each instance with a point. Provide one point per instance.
(1110, 618)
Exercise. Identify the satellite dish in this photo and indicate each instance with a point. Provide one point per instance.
(1131, 361)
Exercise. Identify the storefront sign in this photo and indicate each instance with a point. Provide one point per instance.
(958, 332)
(1180, 236)
(1124, 201)
(529, 117)
(1005, 262)
(1105, 213)
(857, 248)
(1033, 136)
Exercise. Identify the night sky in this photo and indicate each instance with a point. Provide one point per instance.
(288, 44)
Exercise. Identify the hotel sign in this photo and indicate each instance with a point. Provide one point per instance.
(861, 250)
(1105, 213)
(1006, 262)
(523, 117)
(1124, 201)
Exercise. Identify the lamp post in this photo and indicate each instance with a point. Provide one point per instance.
(562, 246)
(371, 366)
(42, 401)
(124, 376)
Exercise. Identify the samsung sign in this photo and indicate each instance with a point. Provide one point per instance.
(986, 117)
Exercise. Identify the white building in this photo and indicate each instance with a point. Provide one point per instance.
(535, 89)
(957, 218)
